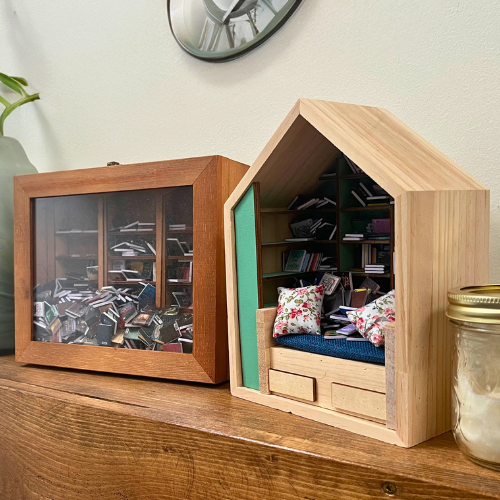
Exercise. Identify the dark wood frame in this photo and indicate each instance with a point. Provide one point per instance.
(213, 179)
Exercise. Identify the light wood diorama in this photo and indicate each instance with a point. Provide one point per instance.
(440, 238)
(67, 222)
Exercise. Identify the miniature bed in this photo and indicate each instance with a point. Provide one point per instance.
(328, 381)
(338, 348)
(439, 237)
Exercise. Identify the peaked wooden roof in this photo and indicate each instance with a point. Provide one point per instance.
(315, 132)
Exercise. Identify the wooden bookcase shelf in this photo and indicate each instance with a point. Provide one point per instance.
(366, 209)
(137, 257)
(180, 231)
(366, 242)
(436, 220)
(285, 274)
(128, 234)
(295, 212)
(189, 191)
(295, 243)
(354, 176)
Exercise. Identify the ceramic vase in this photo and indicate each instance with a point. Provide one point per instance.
(13, 161)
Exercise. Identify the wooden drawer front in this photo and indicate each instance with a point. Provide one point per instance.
(295, 386)
(359, 402)
(327, 369)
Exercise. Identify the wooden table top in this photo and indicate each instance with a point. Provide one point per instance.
(76, 435)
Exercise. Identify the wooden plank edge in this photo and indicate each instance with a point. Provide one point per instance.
(235, 370)
(37, 353)
(330, 417)
(45, 184)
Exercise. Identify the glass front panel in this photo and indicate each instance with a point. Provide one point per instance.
(115, 270)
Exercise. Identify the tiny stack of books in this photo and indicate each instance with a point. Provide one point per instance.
(177, 227)
(310, 229)
(133, 248)
(300, 261)
(375, 268)
(354, 237)
(301, 202)
(372, 196)
(382, 237)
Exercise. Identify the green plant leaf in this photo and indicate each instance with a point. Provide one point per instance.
(12, 84)
(20, 80)
(7, 111)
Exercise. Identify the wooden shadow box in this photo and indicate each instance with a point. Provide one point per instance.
(155, 228)
(437, 221)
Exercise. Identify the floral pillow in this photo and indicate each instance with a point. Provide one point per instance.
(371, 320)
(299, 310)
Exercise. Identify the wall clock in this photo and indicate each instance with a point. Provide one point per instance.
(221, 30)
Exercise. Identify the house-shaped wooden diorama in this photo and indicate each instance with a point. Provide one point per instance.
(437, 221)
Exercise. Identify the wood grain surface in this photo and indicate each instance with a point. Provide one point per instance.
(72, 435)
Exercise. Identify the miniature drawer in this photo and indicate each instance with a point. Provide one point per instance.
(292, 385)
(359, 402)
(328, 369)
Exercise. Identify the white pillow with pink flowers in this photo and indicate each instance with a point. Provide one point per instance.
(372, 319)
(299, 310)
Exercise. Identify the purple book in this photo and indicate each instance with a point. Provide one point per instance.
(347, 330)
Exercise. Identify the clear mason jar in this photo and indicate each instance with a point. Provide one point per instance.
(474, 313)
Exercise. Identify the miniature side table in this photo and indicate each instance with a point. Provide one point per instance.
(69, 435)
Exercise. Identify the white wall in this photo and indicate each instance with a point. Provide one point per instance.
(115, 86)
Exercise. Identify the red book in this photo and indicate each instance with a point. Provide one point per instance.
(175, 347)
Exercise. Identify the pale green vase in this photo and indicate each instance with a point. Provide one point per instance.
(13, 161)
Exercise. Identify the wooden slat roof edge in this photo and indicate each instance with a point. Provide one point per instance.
(373, 138)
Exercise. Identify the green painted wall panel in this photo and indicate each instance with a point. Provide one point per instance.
(248, 291)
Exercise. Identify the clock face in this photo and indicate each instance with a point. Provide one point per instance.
(221, 30)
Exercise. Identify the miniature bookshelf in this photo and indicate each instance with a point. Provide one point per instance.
(439, 234)
(274, 228)
(125, 227)
(74, 233)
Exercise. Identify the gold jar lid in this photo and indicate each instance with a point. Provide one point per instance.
(475, 304)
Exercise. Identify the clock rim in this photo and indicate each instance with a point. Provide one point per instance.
(243, 51)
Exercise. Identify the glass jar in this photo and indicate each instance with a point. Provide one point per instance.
(474, 313)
